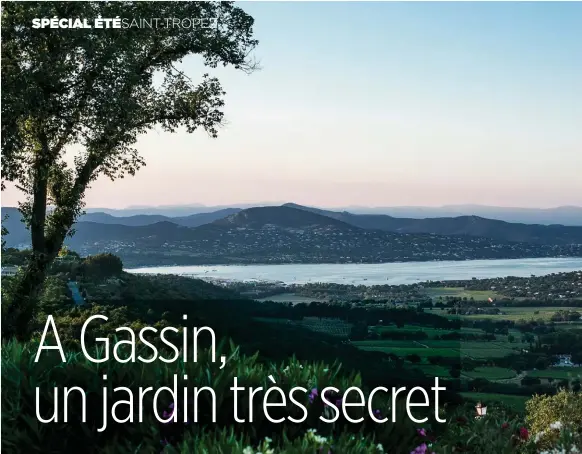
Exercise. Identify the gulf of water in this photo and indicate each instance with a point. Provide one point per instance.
(373, 274)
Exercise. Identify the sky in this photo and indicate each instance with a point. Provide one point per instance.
(383, 104)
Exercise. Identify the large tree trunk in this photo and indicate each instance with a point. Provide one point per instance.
(23, 298)
(46, 240)
(29, 281)
(24, 294)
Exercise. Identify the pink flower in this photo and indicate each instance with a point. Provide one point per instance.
(421, 432)
(523, 433)
(313, 395)
(420, 449)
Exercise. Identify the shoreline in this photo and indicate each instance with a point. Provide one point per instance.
(129, 269)
(368, 275)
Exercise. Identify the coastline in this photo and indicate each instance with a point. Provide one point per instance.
(394, 273)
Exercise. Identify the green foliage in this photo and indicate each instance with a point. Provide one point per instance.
(3, 233)
(14, 257)
(145, 288)
(545, 414)
(102, 265)
(497, 432)
(310, 442)
(95, 92)
(21, 432)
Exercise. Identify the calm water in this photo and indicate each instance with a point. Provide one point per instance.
(373, 274)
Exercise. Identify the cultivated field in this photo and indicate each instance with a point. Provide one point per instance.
(331, 326)
(464, 350)
(491, 373)
(559, 373)
(460, 292)
(445, 348)
(514, 314)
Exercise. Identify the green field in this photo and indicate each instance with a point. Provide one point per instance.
(403, 348)
(516, 402)
(291, 298)
(491, 373)
(333, 327)
(557, 373)
(460, 292)
(445, 348)
(431, 332)
(488, 349)
(514, 314)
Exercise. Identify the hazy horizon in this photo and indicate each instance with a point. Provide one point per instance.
(383, 105)
(276, 203)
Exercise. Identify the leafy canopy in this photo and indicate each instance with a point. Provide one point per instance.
(96, 90)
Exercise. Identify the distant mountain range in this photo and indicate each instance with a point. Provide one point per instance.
(461, 225)
(18, 234)
(565, 215)
(192, 220)
(296, 234)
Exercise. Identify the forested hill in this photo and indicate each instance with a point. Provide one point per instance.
(288, 215)
(285, 234)
(461, 225)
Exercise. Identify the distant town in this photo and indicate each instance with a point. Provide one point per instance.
(294, 234)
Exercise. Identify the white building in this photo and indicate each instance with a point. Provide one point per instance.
(564, 361)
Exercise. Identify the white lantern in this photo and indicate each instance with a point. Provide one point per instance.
(481, 410)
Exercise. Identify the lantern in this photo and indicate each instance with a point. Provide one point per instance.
(481, 410)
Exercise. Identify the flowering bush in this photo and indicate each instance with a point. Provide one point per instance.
(500, 432)
(555, 421)
(310, 442)
(22, 432)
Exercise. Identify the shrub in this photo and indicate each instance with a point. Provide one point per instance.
(501, 431)
(22, 432)
(552, 417)
(310, 442)
(102, 265)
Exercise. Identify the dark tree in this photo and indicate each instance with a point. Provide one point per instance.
(94, 91)
(414, 359)
(102, 265)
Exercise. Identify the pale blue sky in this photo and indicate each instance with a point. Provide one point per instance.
(385, 104)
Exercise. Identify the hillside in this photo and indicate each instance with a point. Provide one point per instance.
(292, 216)
(280, 216)
(289, 235)
(193, 220)
(136, 220)
(144, 288)
(100, 226)
(461, 225)
(564, 215)
(285, 234)
(87, 232)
